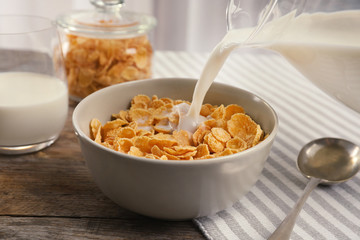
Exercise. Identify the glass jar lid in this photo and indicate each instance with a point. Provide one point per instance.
(108, 20)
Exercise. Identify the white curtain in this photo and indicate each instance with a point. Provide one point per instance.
(192, 25)
(185, 25)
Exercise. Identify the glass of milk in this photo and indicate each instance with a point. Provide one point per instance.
(320, 38)
(33, 88)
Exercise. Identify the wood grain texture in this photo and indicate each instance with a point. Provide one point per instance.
(50, 194)
(24, 228)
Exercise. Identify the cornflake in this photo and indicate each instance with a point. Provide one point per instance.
(92, 64)
(149, 129)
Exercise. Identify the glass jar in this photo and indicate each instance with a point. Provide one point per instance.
(104, 47)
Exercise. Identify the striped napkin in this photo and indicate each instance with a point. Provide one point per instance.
(305, 113)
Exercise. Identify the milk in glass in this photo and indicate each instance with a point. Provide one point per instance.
(33, 108)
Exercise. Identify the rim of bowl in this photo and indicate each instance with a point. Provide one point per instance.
(181, 162)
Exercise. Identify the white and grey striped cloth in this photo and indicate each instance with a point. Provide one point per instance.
(305, 113)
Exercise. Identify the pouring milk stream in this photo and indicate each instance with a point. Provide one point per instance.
(324, 47)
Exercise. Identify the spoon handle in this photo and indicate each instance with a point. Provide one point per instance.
(285, 229)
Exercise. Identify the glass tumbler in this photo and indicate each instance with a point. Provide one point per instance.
(33, 87)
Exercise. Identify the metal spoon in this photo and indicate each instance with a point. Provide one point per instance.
(324, 161)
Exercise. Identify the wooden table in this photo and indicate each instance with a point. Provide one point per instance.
(50, 194)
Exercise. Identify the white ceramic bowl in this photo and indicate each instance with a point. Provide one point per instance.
(173, 190)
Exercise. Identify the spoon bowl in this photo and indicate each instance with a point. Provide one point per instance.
(325, 161)
(329, 159)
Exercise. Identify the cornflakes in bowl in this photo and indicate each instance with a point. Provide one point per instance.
(150, 129)
(171, 176)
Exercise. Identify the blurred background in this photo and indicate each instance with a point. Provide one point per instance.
(185, 25)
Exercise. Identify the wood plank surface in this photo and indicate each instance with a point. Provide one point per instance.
(50, 194)
(25, 228)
